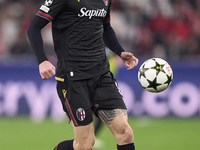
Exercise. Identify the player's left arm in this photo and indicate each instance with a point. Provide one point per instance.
(111, 41)
(45, 15)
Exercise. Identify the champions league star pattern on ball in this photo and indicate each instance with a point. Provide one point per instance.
(155, 75)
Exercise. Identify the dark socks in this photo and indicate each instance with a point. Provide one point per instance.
(65, 145)
(126, 147)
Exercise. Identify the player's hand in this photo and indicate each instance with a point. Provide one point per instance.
(129, 60)
(46, 69)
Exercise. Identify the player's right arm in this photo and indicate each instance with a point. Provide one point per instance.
(46, 69)
(47, 13)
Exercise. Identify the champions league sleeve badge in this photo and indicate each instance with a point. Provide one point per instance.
(45, 7)
(80, 114)
(48, 2)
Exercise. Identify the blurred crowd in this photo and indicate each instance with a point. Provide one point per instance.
(169, 29)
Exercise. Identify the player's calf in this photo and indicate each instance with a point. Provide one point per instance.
(116, 121)
(84, 137)
(87, 145)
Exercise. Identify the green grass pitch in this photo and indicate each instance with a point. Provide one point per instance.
(169, 133)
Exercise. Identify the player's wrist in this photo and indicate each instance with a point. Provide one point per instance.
(41, 60)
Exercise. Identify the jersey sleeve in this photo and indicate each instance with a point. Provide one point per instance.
(111, 40)
(50, 9)
(107, 18)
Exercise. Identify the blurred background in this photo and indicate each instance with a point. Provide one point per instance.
(168, 29)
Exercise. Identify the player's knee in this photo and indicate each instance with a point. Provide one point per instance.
(128, 135)
(125, 134)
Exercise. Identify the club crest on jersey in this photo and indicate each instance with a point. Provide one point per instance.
(48, 2)
(105, 2)
(80, 114)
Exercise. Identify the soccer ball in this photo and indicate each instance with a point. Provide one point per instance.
(155, 75)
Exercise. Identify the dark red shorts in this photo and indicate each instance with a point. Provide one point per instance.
(80, 99)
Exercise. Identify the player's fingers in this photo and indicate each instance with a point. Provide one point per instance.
(131, 64)
(47, 74)
(128, 65)
(52, 71)
(43, 76)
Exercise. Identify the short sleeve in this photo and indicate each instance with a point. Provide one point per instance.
(51, 8)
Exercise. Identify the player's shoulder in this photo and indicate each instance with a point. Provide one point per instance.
(52, 2)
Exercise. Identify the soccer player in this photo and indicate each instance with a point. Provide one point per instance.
(85, 85)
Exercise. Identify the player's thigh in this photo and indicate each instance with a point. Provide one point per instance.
(75, 101)
(117, 121)
(84, 136)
